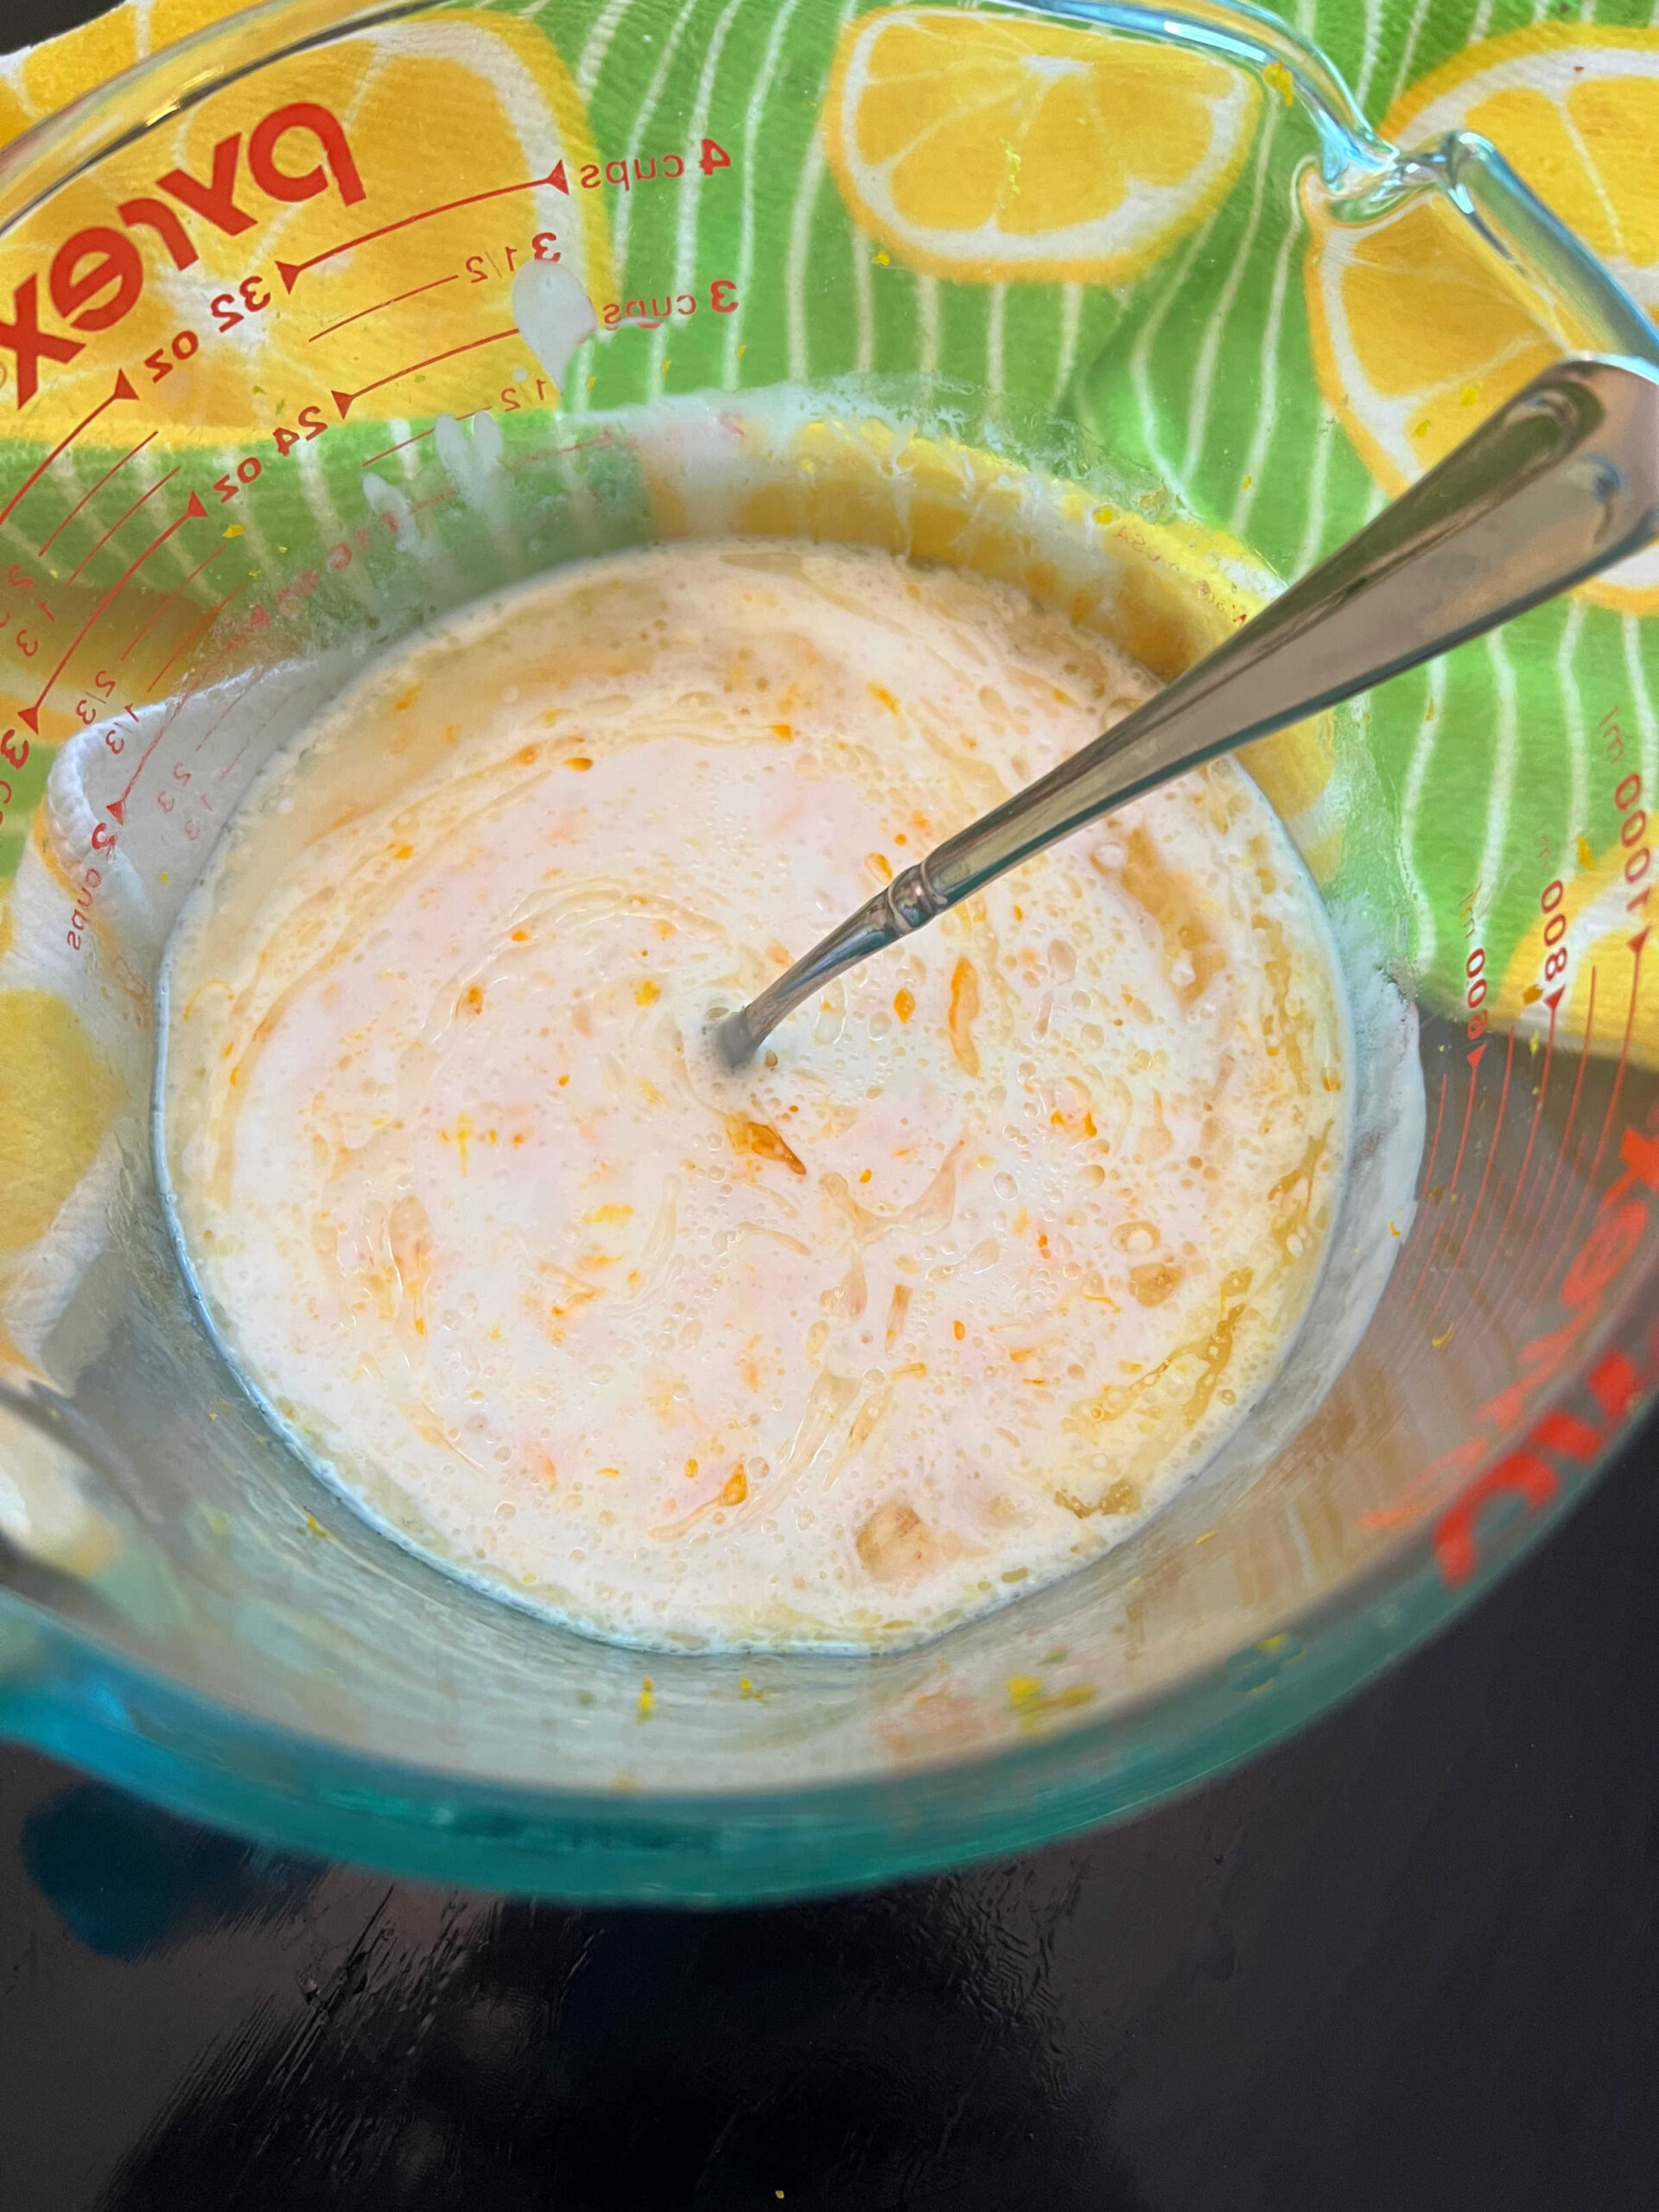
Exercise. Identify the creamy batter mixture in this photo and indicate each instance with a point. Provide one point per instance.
(942, 1296)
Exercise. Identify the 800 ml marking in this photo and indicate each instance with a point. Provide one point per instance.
(1638, 855)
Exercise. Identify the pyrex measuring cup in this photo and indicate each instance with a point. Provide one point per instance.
(325, 320)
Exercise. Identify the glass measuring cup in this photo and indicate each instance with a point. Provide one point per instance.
(295, 327)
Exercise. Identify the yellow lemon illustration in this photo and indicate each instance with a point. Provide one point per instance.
(1417, 333)
(1588, 962)
(59, 1097)
(387, 279)
(998, 151)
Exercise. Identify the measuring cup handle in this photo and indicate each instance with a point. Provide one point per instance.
(1562, 481)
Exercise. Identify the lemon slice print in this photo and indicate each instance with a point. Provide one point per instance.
(379, 289)
(998, 151)
(1416, 332)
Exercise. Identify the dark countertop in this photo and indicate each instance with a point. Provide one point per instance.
(1409, 1959)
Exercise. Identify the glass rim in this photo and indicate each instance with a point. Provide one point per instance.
(943, 1810)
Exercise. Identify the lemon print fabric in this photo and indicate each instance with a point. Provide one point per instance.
(59, 1098)
(1417, 332)
(1062, 226)
(291, 247)
(76, 1043)
(996, 150)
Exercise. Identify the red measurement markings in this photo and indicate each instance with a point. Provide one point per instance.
(711, 155)
(1638, 945)
(544, 247)
(552, 453)
(194, 513)
(346, 400)
(126, 518)
(1424, 1287)
(1554, 1002)
(1632, 832)
(1613, 1385)
(419, 437)
(97, 488)
(291, 272)
(1555, 970)
(1466, 1250)
(1429, 1172)
(1475, 994)
(414, 292)
(206, 621)
(117, 808)
(122, 389)
(526, 461)
(151, 621)
(401, 445)
(1519, 1273)
(213, 727)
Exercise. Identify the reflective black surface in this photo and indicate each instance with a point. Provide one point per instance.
(1409, 1959)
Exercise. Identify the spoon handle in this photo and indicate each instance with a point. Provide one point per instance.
(1562, 481)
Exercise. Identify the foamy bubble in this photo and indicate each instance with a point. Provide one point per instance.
(922, 1306)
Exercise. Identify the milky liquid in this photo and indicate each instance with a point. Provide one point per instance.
(941, 1297)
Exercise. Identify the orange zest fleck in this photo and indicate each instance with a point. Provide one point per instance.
(903, 1003)
(763, 1141)
(964, 1011)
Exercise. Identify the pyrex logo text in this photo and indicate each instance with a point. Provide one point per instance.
(97, 276)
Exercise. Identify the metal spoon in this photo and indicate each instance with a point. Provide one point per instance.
(1560, 483)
